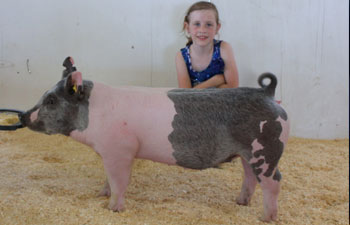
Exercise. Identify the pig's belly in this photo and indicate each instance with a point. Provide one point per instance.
(153, 137)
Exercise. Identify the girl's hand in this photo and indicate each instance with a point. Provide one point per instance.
(215, 81)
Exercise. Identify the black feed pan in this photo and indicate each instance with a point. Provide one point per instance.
(12, 126)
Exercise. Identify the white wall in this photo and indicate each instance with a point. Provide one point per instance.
(305, 43)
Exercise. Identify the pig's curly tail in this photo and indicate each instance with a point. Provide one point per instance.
(270, 88)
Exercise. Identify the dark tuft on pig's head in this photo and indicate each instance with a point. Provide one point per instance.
(68, 64)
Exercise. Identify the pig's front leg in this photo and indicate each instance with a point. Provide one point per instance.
(118, 172)
(118, 155)
(248, 186)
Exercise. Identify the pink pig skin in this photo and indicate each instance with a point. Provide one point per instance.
(119, 132)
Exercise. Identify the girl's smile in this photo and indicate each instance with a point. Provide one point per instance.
(202, 38)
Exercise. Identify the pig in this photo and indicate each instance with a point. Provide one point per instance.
(191, 128)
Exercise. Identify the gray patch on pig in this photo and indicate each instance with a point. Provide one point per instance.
(61, 110)
(213, 125)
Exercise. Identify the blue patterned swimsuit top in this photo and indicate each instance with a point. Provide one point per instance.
(216, 65)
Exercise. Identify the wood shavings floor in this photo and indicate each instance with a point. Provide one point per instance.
(55, 180)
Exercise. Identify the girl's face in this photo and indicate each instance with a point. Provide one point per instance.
(202, 27)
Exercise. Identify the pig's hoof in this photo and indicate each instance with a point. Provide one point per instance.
(242, 201)
(269, 218)
(104, 192)
(116, 208)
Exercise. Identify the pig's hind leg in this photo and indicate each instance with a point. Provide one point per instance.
(266, 150)
(270, 186)
(263, 164)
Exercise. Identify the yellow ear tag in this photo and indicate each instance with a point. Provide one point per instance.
(75, 88)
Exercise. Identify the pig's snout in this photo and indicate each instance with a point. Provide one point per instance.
(28, 117)
(22, 118)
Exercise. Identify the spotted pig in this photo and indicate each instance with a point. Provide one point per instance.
(191, 128)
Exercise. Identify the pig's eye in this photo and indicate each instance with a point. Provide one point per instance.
(51, 100)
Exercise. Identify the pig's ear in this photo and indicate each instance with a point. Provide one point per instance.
(68, 64)
(74, 85)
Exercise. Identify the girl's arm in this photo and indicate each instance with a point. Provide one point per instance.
(230, 77)
(230, 71)
(183, 77)
(215, 81)
(227, 80)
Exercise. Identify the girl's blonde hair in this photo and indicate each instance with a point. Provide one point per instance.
(202, 5)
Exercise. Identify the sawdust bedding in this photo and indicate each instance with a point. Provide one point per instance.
(55, 180)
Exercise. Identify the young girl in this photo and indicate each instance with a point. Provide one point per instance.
(205, 62)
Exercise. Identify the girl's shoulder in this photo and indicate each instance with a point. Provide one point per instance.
(184, 53)
(225, 49)
(179, 55)
(224, 45)
(182, 57)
